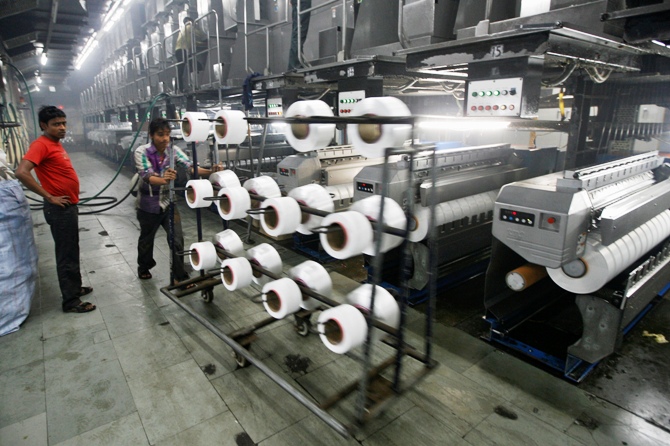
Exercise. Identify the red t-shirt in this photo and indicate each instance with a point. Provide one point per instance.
(54, 168)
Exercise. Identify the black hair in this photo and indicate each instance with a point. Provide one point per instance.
(158, 124)
(48, 112)
(187, 20)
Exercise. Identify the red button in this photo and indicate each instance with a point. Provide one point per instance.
(495, 107)
(551, 220)
(488, 107)
(473, 108)
(511, 107)
(480, 108)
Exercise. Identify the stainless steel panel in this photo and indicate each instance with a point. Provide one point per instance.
(622, 217)
(463, 184)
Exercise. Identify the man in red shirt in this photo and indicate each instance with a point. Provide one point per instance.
(60, 189)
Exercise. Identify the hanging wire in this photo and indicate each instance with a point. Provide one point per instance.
(596, 75)
(30, 98)
(567, 71)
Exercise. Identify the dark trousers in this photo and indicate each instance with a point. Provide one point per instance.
(293, 60)
(181, 69)
(64, 224)
(149, 224)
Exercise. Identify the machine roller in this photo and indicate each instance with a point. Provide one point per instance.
(468, 179)
(589, 245)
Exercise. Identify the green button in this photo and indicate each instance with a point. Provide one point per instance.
(474, 94)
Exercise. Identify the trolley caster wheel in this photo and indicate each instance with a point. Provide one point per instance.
(208, 296)
(240, 360)
(302, 327)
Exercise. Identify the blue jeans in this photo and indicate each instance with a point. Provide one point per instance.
(149, 224)
(64, 224)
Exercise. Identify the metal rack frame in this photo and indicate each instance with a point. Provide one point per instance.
(240, 340)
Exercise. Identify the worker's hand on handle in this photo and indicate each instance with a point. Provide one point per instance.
(217, 168)
(59, 201)
(169, 174)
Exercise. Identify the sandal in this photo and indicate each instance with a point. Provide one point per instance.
(83, 291)
(82, 307)
(144, 275)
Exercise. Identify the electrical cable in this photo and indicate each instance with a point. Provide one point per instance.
(567, 71)
(596, 76)
(130, 147)
(30, 97)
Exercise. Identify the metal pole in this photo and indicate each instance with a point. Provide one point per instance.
(344, 32)
(195, 177)
(171, 214)
(378, 261)
(405, 272)
(432, 267)
(267, 51)
(262, 148)
(246, 44)
(298, 17)
(243, 352)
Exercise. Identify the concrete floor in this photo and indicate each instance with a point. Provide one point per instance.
(139, 370)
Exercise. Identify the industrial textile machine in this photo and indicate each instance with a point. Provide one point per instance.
(329, 167)
(468, 180)
(581, 256)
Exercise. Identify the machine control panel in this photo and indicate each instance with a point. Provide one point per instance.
(497, 97)
(274, 107)
(365, 187)
(347, 99)
(516, 217)
(283, 172)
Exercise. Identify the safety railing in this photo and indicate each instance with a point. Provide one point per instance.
(341, 57)
(207, 52)
(153, 69)
(267, 29)
(175, 65)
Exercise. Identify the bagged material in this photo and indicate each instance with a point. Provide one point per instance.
(18, 257)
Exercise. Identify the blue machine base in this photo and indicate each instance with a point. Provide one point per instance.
(310, 245)
(572, 368)
(449, 281)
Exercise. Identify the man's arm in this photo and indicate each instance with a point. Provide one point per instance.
(146, 171)
(23, 173)
(182, 159)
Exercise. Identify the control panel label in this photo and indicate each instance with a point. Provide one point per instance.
(516, 217)
(365, 187)
(495, 97)
(346, 101)
(274, 107)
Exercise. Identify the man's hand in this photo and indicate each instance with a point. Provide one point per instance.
(170, 174)
(59, 201)
(217, 168)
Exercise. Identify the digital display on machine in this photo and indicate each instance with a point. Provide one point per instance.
(519, 218)
(283, 172)
(365, 187)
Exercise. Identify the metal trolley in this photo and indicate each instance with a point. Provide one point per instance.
(375, 391)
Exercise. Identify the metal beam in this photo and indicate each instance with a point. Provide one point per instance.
(52, 20)
(636, 12)
(9, 8)
(23, 39)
